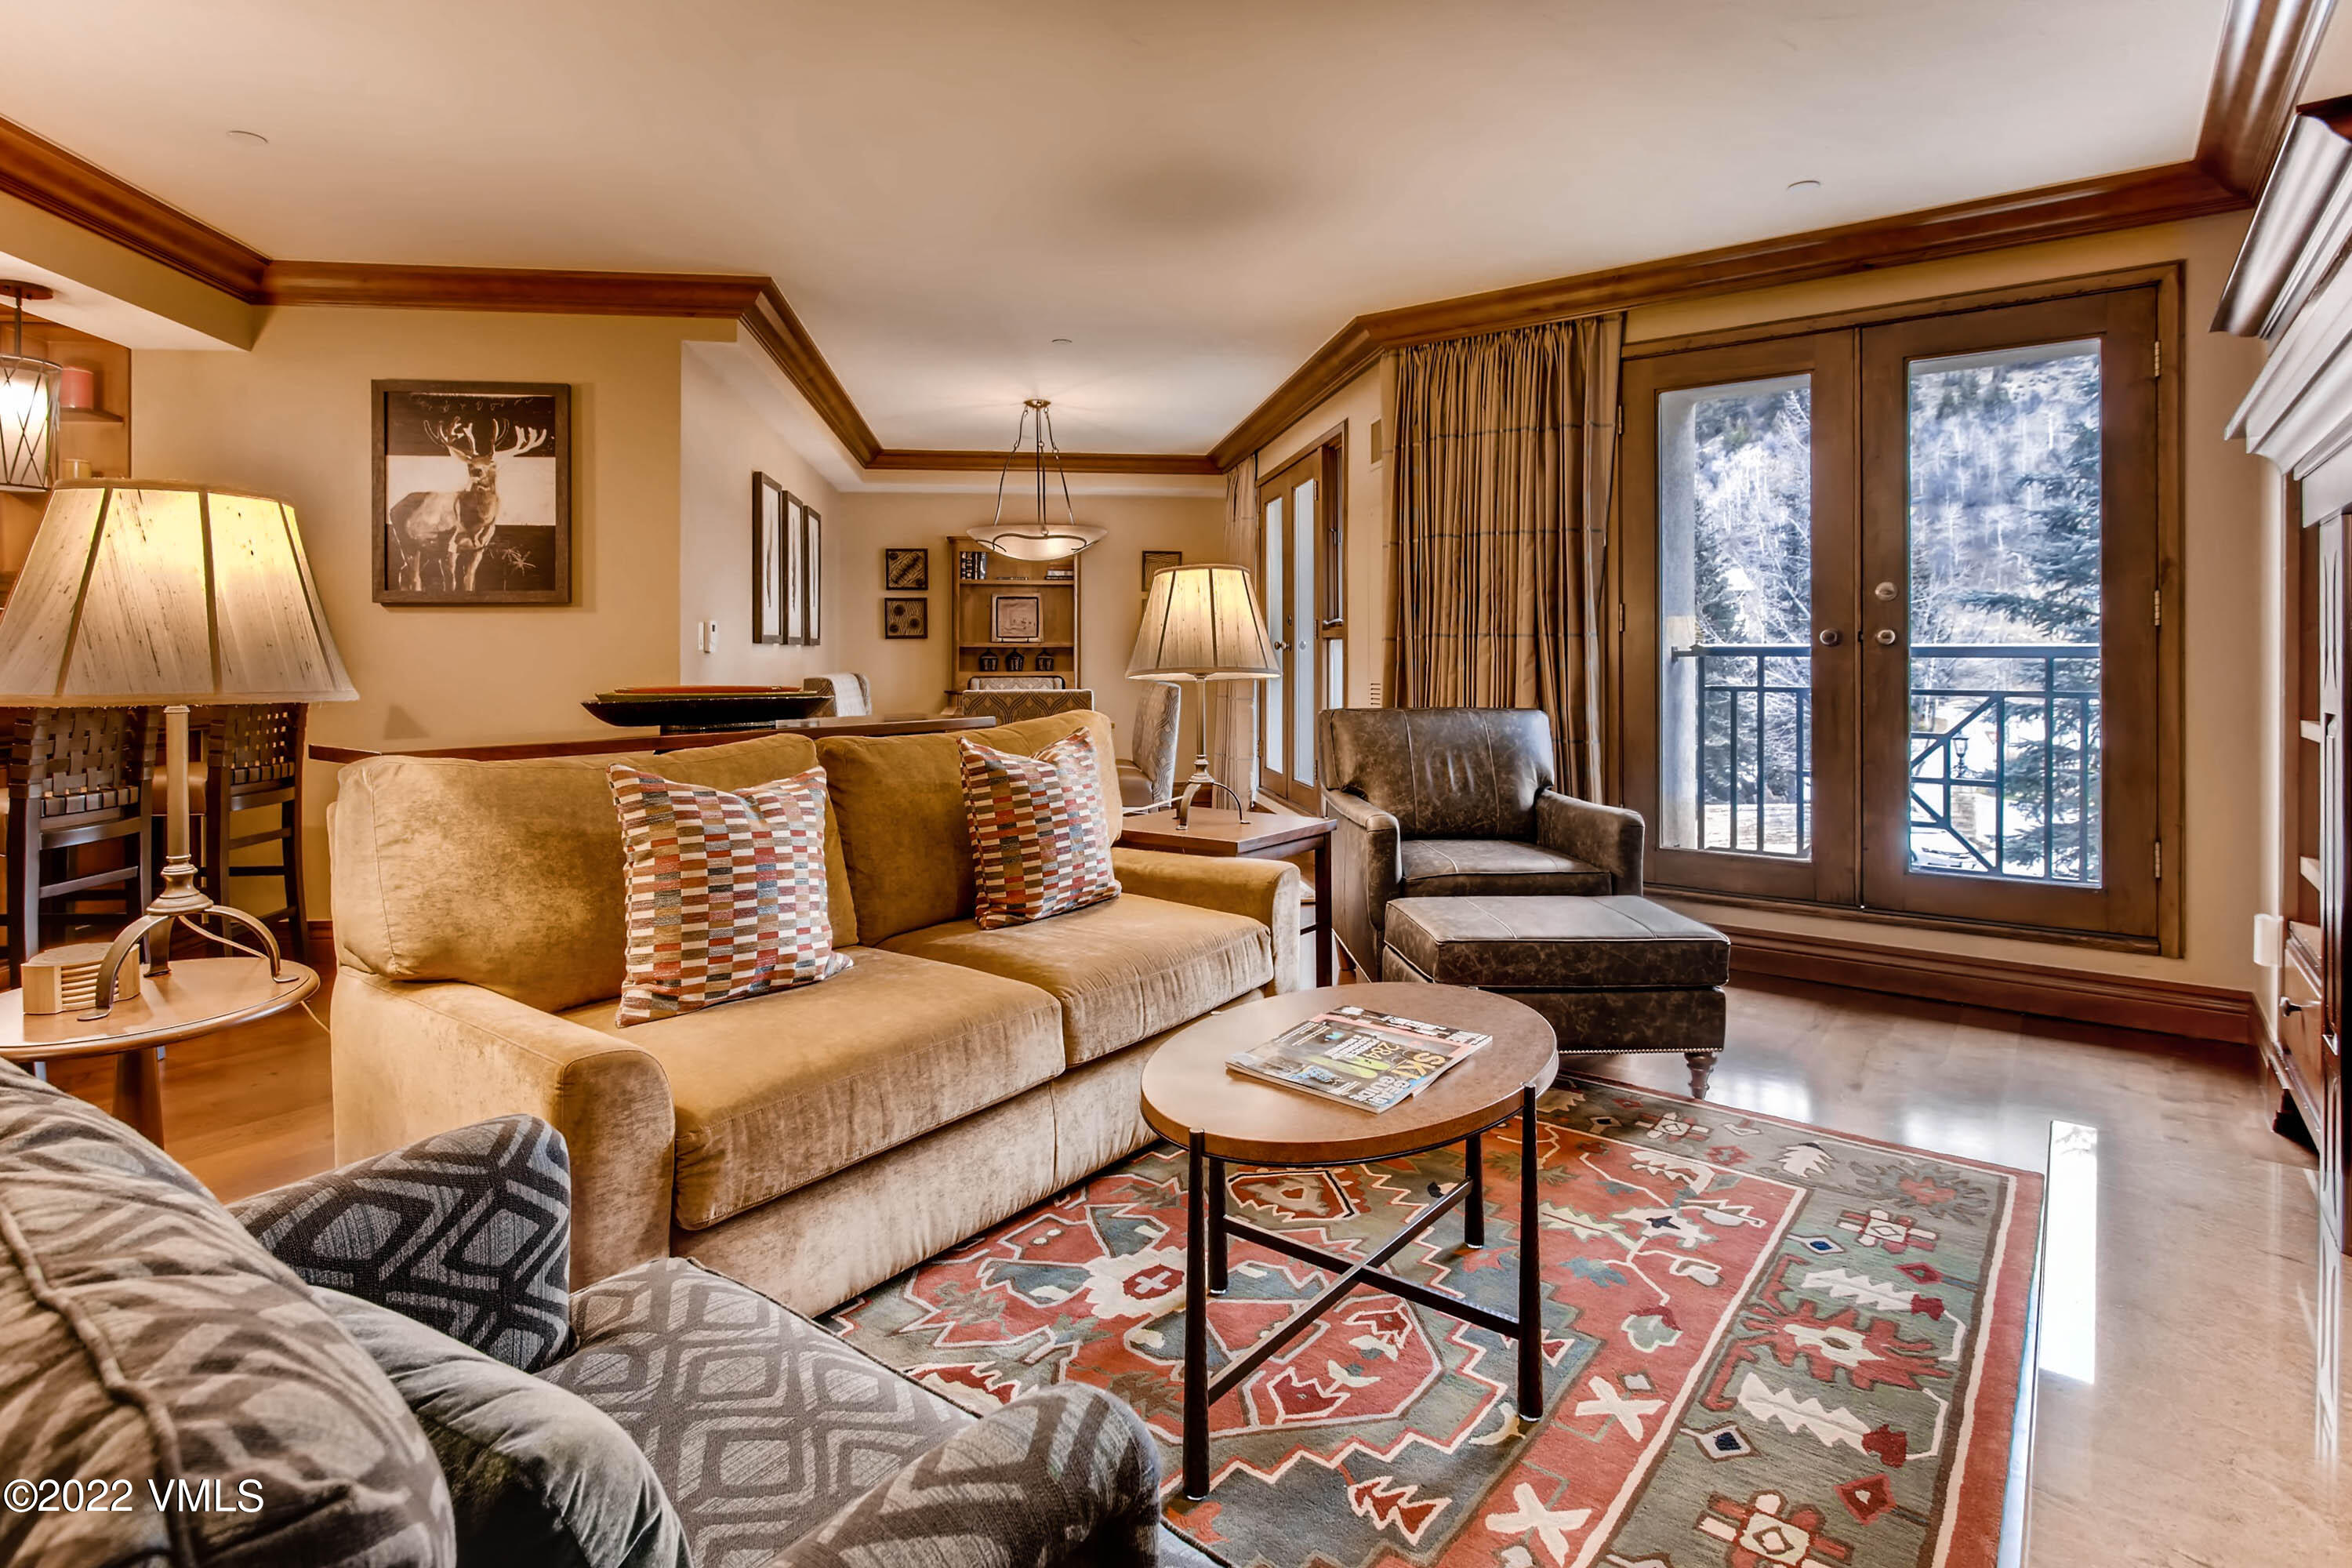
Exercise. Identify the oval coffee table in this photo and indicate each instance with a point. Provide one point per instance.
(1192, 1098)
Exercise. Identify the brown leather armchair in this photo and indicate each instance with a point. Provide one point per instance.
(1434, 802)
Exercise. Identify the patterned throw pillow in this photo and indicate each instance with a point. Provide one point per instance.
(1040, 842)
(727, 895)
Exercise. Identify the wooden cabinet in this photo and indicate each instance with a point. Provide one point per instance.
(1043, 595)
(2286, 290)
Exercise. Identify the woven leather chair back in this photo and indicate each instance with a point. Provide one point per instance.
(65, 762)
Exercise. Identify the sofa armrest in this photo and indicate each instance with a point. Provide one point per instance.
(1267, 891)
(469, 1232)
(1608, 837)
(1367, 863)
(1066, 1475)
(412, 1058)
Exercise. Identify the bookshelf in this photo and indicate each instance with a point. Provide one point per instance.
(1052, 583)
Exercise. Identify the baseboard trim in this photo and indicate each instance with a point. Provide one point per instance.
(2122, 1001)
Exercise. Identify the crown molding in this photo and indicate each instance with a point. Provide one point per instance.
(38, 171)
(938, 461)
(518, 288)
(2132, 200)
(2266, 50)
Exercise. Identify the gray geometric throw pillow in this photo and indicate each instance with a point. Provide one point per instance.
(202, 1403)
(537, 1475)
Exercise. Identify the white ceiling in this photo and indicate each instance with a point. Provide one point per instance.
(1198, 194)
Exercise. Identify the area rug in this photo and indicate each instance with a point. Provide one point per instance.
(1768, 1345)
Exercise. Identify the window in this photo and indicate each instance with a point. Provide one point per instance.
(1301, 575)
(1891, 620)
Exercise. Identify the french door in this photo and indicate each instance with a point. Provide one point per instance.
(1301, 559)
(1892, 618)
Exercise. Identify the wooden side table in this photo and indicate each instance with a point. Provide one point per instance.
(1261, 835)
(195, 996)
(1192, 1099)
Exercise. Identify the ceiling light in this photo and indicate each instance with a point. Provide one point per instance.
(1802, 185)
(248, 138)
(1043, 539)
(28, 407)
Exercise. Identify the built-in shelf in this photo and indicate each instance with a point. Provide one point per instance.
(2311, 732)
(89, 416)
(2309, 866)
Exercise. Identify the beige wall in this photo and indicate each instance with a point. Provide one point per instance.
(722, 441)
(292, 418)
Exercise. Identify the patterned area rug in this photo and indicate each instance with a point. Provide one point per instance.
(1768, 1346)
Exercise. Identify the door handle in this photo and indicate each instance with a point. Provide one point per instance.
(2289, 1007)
(1832, 636)
(1888, 636)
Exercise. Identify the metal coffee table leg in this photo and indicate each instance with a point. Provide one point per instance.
(1474, 1171)
(1531, 1365)
(1196, 1321)
(1216, 1226)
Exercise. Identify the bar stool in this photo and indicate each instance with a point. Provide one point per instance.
(76, 776)
(253, 762)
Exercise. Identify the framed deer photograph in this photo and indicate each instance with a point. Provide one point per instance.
(473, 492)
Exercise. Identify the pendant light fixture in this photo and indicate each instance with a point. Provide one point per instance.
(28, 407)
(1043, 539)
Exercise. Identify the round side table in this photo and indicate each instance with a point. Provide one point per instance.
(1192, 1098)
(195, 996)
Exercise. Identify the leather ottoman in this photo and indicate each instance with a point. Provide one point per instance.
(1611, 973)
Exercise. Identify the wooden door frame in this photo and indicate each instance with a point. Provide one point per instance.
(1830, 875)
(1325, 462)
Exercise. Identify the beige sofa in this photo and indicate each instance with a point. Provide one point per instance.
(811, 1143)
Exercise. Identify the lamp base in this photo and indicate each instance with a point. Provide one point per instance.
(180, 900)
(181, 897)
(1200, 781)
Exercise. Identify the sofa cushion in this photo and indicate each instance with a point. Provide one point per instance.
(784, 1089)
(1450, 868)
(1556, 944)
(146, 1340)
(468, 1231)
(1122, 970)
(536, 1474)
(507, 875)
(897, 800)
(760, 1424)
(1040, 839)
(726, 890)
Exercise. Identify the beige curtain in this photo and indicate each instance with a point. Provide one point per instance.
(1503, 453)
(1233, 704)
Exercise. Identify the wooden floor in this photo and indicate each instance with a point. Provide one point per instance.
(2193, 1418)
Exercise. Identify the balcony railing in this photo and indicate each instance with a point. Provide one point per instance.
(2004, 756)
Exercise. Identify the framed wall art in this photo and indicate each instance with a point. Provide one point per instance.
(906, 570)
(905, 617)
(767, 560)
(1016, 617)
(1159, 561)
(473, 492)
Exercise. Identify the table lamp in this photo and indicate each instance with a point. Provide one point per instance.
(1202, 623)
(139, 594)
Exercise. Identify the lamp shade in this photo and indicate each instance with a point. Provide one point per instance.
(1203, 622)
(141, 592)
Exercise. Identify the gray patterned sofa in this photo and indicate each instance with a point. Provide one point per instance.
(337, 1353)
